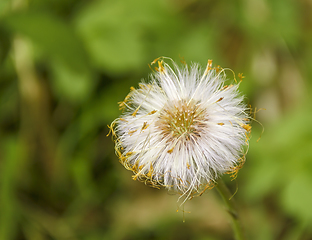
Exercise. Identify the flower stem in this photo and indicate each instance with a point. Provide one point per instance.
(231, 209)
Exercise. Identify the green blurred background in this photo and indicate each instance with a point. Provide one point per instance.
(64, 65)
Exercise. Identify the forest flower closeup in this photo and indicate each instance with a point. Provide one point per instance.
(184, 128)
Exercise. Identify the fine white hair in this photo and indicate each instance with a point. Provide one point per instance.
(183, 129)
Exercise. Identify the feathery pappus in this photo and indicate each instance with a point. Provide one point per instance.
(184, 128)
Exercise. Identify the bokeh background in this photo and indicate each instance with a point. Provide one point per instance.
(64, 65)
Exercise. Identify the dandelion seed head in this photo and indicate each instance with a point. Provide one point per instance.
(180, 120)
(183, 129)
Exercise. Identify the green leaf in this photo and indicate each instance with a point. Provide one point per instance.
(283, 154)
(286, 15)
(75, 86)
(4, 44)
(9, 172)
(54, 37)
(111, 38)
(297, 196)
(117, 33)
(5, 7)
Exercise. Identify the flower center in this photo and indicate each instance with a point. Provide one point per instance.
(182, 119)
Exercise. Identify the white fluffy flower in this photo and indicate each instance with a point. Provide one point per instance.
(183, 129)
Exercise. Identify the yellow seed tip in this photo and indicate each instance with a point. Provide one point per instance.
(247, 127)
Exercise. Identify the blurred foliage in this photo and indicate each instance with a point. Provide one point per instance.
(65, 64)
